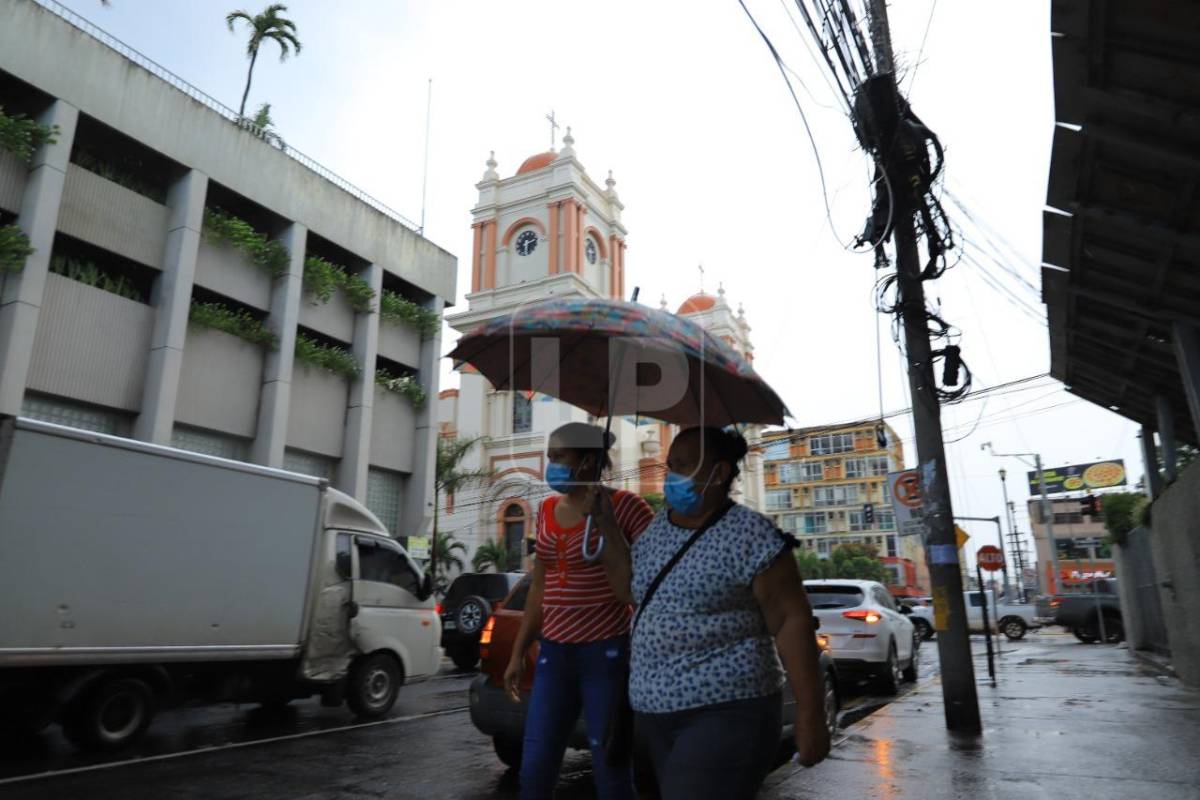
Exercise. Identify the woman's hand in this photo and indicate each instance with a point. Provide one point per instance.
(512, 677)
(812, 739)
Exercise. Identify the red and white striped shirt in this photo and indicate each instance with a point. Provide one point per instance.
(578, 605)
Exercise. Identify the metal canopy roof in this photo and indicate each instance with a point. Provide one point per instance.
(1122, 263)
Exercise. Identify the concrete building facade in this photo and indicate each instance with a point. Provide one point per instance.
(1073, 530)
(100, 329)
(828, 487)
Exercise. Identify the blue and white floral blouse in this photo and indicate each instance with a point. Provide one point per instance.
(702, 639)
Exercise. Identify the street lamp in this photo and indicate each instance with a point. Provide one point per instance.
(1013, 544)
(1047, 512)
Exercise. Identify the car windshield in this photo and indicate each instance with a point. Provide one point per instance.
(834, 596)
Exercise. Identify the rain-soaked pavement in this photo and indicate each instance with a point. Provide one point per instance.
(429, 749)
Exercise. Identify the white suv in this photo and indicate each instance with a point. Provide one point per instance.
(869, 635)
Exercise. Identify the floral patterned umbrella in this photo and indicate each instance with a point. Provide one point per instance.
(616, 357)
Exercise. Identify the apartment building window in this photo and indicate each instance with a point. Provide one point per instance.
(826, 496)
(778, 450)
(801, 472)
(385, 491)
(308, 464)
(823, 548)
(1068, 518)
(196, 440)
(791, 523)
(522, 417)
(779, 499)
(856, 467)
(885, 520)
(877, 465)
(891, 546)
(855, 518)
(831, 443)
(815, 523)
(75, 415)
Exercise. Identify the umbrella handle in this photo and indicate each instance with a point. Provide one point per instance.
(593, 555)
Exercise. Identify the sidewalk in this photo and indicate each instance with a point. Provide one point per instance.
(1065, 721)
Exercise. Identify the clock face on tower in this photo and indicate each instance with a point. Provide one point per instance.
(526, 243)
(589, 251)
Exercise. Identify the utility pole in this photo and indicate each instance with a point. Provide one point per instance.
(1048, 519)
(1016, 562)
(959, 693)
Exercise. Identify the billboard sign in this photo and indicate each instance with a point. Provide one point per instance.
(907, 502)
(1080, 477)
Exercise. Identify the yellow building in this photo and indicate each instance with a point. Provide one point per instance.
(828, 487)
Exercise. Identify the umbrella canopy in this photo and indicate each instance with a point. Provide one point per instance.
(615, 357)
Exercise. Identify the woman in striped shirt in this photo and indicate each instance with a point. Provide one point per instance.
(583, 628)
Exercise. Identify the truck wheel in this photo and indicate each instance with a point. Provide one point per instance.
(472, 614)
(910, 672)
(1114, 630)
(111, 715)
(508, 751)
(890, 678)
(465, 656)
(1013, 627)
(1084, 635)
(373, 685)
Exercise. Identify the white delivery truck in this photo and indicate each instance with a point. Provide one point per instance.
(134, 576)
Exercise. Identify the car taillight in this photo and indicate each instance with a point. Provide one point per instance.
(438, 608)
(486, 636)
(823, 641)
(867, 616)
(1055, 603)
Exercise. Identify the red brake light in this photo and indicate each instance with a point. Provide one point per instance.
(486, 636)
(1055, 603)
(438, 609)
(867, 616)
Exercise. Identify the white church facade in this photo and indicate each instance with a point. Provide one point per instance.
(547, 231)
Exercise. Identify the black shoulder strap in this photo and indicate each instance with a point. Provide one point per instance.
(662, 573)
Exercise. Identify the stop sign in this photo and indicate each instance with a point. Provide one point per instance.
(990, 558)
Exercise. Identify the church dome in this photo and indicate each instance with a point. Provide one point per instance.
(537, 162)
(697, 303)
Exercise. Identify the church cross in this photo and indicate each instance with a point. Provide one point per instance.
(553, 127)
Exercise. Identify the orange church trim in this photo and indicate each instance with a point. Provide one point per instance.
(489, 280)
(553, 237)
(570, 251)
(580, 236)
(523, 221)
(476, 255)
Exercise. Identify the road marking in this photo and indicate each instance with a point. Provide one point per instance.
(232, 746)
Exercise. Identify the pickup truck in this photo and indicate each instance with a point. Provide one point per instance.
(1012, 619)
(134, 576)
(1082, 614)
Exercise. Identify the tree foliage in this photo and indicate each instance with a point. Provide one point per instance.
(14, 248)
(446, 552)
(848, 562)
(449, 477)
(267, 25)
(394, 307)
(490, 554)
(22, 136)
(1122, 512)
(240, 323)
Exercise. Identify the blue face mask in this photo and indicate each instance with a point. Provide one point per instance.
(560, 477)
(681, 493)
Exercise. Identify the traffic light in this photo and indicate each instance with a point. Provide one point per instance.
(1090, 506)
(868, 514)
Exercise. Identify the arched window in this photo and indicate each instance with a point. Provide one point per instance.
(522, 418)
(514, 535)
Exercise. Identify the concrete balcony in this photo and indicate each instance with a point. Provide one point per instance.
(226, 271)
(91, 345)
(13, 175)
(97, 211)
(317, 417)
(335, 318)
(220, 382)
(399, 342)
(393, 431)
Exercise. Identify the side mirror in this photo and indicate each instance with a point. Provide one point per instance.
(905, 610)
(426, 587)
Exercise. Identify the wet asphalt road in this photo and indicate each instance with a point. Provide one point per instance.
(427, 748)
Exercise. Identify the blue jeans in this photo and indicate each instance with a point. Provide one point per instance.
(570, 676)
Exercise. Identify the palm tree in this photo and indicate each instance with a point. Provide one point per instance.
(490, 554)
(267, 25)
(262, 126)
(445, 552)
(450, 478)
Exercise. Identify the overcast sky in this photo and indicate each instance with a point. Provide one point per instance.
(683, 102)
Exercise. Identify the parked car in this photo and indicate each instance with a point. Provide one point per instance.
(496, 715)
(870, 635)
(1014, 620)
(921, 617)
(172, 577)
(467, 607)
(1081, 613)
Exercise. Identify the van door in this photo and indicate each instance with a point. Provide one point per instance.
(390, 615)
